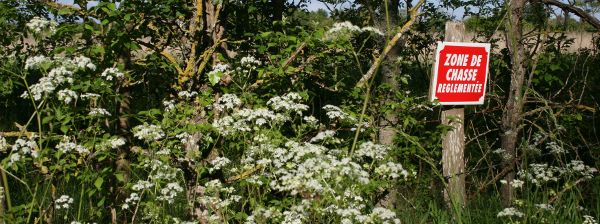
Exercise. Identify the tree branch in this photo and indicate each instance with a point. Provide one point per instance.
(413, 17)
(575, 10)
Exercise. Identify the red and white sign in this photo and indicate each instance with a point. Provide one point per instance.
(460, 73)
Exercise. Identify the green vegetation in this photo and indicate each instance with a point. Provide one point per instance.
(175, 111)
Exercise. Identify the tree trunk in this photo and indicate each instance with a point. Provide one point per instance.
(512, 113)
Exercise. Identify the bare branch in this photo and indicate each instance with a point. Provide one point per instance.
(575, 10)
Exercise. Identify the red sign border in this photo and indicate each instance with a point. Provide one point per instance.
(441, 46)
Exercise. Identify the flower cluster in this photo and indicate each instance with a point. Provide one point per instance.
(21, 148)
(36, 61)
(542, 173)
(218, 70)
(67, 95)
(391, 170)
(345, 29)
(335, 113)
(83, 62)
(577, 167)
(249, 62)
(131, 200)
(218, 163)
(66, 146)
(148, 132)
(63, 202)
(227, 102)
(98, 112)
(325, 137)
(246, 120)
(372, 150)
(510, 212)
(42, 26)
(588, 219)
(217, 198)
(47, 84)
(111, 73)
(291, 102)
(186, 94)
(169, 192)
(516, 183)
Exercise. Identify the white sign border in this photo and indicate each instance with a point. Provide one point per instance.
(441, 46)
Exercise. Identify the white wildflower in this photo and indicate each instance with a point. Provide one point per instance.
(98, 112)
(516, 183)
(83, 62)
(391, 170)
(509, 212)
(148, 132)
(218, 163)
(169, 105)
(249, 62)
(335, 113)
(554, 148)
(89, 96)
(546, 207)
(372, 30)
(42, 26)
(372, 150)
(111, 73)
(67, 95)
(142, 185)
(290, 102)
(186, 94)
(311, 120)
(577, 167)
(227, 102)
(169, 192)
(325, 136)
(63, 202)
(115, 143)
(588, 219)
(35, 62)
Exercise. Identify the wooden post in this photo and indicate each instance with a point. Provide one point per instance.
(453, 145)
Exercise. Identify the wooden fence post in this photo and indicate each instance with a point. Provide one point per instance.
(453, 145)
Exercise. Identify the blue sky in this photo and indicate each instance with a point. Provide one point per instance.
(312, 6)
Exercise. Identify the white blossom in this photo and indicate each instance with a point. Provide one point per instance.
(142, 185)
(66, 146)
(372, 150)
(111, 73)
(169, 192)
(35, 62)
(42, 26)
(325, 136)
(63, 202)
(218, 163)
(148, 132)
(67, 95)
(509, 212)
(290, 102)
(186, 94)
(391, 170)
(169, 105)
(83, 62)
(227, 102)
(89, 96)
(98, 112)
(588, 219)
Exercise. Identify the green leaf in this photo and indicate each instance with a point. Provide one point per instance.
(214, 77)
(120, 177)
(98, 183)
(64, 129)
